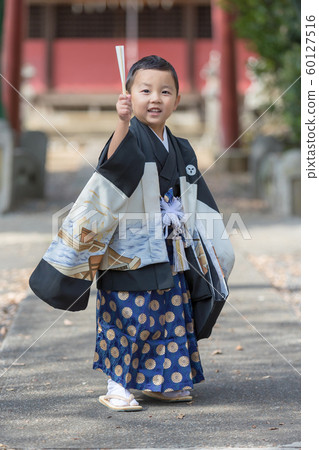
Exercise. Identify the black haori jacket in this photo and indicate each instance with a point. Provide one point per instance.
(114, 231)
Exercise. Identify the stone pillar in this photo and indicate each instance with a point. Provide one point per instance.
(210, 143)
(6, 163)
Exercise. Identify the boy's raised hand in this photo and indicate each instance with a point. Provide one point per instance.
(124, 110)
(124, 107)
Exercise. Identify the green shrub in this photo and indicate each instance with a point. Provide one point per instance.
(272, 29)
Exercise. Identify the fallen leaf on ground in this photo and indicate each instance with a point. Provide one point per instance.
(273, 428)
(239, 348)
(67, 322)
(266, 376)
(217, 352)
(180, 416)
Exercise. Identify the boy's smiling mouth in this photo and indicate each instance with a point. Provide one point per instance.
(154, 110)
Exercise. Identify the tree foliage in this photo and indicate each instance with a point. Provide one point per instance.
(272, 29)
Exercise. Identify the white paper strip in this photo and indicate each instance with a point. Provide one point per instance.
(121, 62)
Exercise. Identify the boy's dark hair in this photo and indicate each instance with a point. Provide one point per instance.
(151, 62)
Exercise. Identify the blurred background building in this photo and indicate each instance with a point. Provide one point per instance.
(69, 45)
(58, 63)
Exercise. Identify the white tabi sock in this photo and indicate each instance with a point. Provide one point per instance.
(117, 389)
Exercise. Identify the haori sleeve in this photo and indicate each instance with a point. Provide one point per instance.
(64, 275)
(211, 227)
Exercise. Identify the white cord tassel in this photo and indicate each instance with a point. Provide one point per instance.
(180, 260)
(173, 215)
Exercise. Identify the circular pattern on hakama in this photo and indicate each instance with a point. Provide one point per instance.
(140, 300)
(110, 334)
(113, 305)
(115, 352)
(167, 363)
(150, 364)
(106, 317)
(160, 349)
(183, 361)
(131, 330)
(103, 344)
(161, 319)
(176, 300)
(142, 318)
(144, 335)
(156, 335)
(195, 356)
(128, 377)
(107, 363)
(134, 347)
(124, 341)
(123, 295)
(127, 312)
(140, 378)
(172, 347)
(135, 363)
(154, 305)
(180, 330)
(176, 377)
(118, 370)
(169, 316)
(158, 380)
(146, 348)
(119, 324)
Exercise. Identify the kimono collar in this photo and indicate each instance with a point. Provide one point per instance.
(164, 141)
(144, 136)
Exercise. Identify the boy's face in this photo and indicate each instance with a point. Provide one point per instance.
(154, 98)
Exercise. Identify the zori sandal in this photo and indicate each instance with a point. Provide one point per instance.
(104, 399)
(164, 398)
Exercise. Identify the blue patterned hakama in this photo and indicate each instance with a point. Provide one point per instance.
(145, 340)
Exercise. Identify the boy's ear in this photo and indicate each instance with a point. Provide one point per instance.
(178, 99)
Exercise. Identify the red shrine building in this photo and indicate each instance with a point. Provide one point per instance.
(69, 46)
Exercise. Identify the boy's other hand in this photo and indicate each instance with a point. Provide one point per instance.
(124, 107)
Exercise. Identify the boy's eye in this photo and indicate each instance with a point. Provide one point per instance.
(146, 91)
(166, 92)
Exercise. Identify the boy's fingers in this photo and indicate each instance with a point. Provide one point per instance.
(125, 101)
(123, 97)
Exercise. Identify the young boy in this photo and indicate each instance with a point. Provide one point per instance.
(153, 95)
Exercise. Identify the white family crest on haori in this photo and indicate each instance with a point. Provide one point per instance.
(190, 169)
